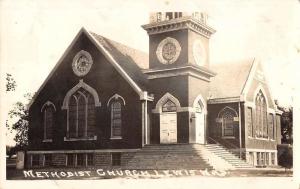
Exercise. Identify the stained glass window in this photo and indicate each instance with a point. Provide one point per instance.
(227, 119)
(48, 121)
(261, 116)
(81, 114)
(249, 121)
(116, 119)
(169, 106)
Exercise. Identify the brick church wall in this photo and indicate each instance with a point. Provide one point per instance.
(104, 78)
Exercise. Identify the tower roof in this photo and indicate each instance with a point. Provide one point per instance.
(160, 22)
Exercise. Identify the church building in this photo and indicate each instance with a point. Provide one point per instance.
(108, 105)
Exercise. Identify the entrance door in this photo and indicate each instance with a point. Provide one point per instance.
(168, 128)
(200, 128)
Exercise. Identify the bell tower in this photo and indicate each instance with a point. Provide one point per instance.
(178, 74)
(178, 39)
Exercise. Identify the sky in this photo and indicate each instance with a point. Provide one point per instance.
(34, 35)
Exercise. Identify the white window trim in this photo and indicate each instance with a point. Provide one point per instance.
(80, 139)
(31, 160)
(69, 94)
(258, 90)
(116, 97)
(228, 107)
(252, 125)
(221, 118)
(201, 99)
(44, 160)
(111, 126)
(85, 86)
(228, 137)
(163, 100)
(116, 137)
(48, 103)
(47, 140)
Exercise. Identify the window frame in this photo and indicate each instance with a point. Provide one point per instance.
(116, 159)
(92, 159)
(47, 163)
(46, 129)
(88, 106)
(116, 99)
(85, 159)
(250, 122)
(224, 124)
(35, 162)
(165, 107)
(261, 116)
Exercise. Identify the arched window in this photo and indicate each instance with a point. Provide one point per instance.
(227, 116)
(198, 107)
(116, 103)
(81, 114)
(116, 119)
(261, 115)
(48, 110)
(48, 122)
(228, 128)
(169, 106)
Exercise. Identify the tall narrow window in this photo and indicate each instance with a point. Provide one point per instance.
(80, 160)
(48, 111)
(249, 121)
(261, 115)
(116, 159)
(271, 126)
(116, 119)
(81, 114)
(90, 159)
(228, 124)
(227, 118)
(272, 158)
(47, 160)
(70, 160)
(35, 161)
(277, 128)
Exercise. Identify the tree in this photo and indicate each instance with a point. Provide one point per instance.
(19, 118)
(287, 125)
(10, 83)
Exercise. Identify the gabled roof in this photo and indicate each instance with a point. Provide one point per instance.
(130, 59)
(127, 61)
(230, 80)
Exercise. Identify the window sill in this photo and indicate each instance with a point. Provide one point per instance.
(257, 138)
(47, 140)
(80, 139)
(115, 138)
(228, 137)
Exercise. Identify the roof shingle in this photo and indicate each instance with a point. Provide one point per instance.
(131, 60)
(230, 79)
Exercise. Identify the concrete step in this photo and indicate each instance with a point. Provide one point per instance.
(228, 156)
(169, 157)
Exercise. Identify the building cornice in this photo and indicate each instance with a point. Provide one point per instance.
(186, 22)
(224, 100)
(184, 70)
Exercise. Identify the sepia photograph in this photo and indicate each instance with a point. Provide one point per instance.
(149, 94)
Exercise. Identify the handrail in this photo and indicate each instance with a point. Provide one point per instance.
(216, 142)
(229, 143)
